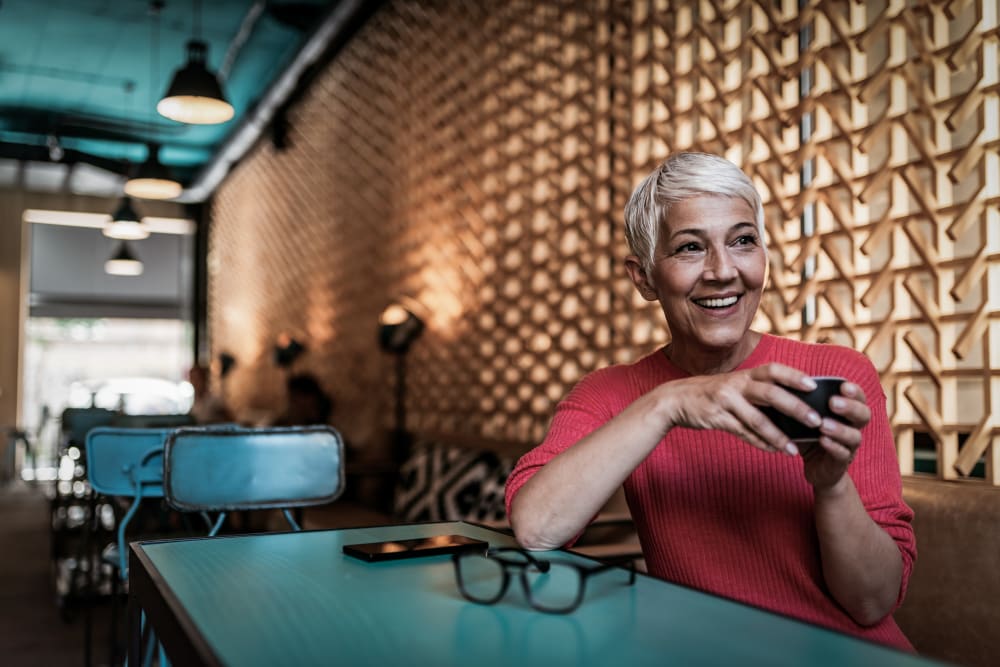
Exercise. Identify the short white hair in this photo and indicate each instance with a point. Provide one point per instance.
(682, 176)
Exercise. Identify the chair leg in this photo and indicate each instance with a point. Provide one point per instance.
(88, 634)
(89, 593)
(81, 574)
(149, 647)
(147, 659)
(113, 632)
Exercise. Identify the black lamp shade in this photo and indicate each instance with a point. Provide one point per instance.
(125, 224)
(126, 212)
(399, 328)
(195, 95)
(123, 262)
(152, 180)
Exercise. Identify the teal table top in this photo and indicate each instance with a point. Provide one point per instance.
(296, 599)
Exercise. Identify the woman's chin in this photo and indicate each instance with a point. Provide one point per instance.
(720, 339)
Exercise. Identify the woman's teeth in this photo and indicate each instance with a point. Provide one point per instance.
(717, 303)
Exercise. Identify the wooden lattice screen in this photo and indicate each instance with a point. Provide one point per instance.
(475, 157)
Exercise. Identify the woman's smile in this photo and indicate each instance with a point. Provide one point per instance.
(718, 302)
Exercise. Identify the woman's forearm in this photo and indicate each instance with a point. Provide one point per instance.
(861, 562)
(558, 501)
(564, 495)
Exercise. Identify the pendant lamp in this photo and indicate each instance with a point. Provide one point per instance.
(125, 223)
(123, 262)
(195, 95)
(152, 180)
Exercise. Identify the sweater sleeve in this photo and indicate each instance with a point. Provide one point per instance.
(582, 411)
(875, 471)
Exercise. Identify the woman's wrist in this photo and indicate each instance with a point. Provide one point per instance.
(664, 407)
(833, 491)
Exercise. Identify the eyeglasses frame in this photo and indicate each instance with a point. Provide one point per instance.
(496, 553)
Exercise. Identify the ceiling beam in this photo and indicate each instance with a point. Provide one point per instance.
(26, 153)
(42, 123)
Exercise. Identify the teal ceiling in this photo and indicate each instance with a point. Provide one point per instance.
(85, 75)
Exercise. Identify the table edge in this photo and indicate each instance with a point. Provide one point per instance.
(168, 614)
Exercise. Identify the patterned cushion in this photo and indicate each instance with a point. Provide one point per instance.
(445, 483)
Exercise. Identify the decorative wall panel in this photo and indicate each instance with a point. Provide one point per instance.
(474, 159)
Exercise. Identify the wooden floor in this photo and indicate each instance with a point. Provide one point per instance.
(33, 629)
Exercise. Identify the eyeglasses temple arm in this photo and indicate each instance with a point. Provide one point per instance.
(541, 564)
(626, 564)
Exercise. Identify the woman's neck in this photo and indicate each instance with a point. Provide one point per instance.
(698, 360)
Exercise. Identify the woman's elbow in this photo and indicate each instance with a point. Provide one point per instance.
(529, 532)
(530, 543)
(527, 536)
(867, 613)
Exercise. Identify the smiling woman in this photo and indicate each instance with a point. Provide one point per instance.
(722, 499)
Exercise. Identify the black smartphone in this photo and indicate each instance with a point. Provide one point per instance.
(424, 546)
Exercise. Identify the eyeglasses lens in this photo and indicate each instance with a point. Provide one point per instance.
(555, 590)
(482, 578)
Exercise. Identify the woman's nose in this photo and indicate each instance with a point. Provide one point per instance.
(719, 266)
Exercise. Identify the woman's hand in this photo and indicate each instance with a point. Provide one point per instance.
(730, 402)
(826, 464)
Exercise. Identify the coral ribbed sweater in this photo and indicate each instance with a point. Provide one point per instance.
(716, 514)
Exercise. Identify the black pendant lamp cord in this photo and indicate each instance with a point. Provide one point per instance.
(128, 88)
(155, 8)
(154, 59)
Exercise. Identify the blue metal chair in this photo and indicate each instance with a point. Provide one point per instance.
(210, 470)
(123, 463)
(126, 463)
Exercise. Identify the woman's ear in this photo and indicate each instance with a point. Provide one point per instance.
(639, 278)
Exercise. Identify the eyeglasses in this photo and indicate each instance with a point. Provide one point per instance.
(554, 586)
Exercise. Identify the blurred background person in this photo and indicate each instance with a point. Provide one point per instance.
(208, 407)
(306, 404)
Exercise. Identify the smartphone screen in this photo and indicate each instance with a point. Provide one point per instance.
(424, 546)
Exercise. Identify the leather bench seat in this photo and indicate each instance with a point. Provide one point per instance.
(952, 609)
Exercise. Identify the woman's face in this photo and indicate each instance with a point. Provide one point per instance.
(709, 268)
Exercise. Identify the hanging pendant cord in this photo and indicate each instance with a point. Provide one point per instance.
(197, 19)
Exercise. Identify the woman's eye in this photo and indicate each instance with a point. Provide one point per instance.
(747, 239)
(688, 247)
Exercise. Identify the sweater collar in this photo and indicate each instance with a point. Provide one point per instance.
(756, 357)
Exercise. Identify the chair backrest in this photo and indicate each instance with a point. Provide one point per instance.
(153, 421)
(219, 470)
(126, 461)
(77, 422)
